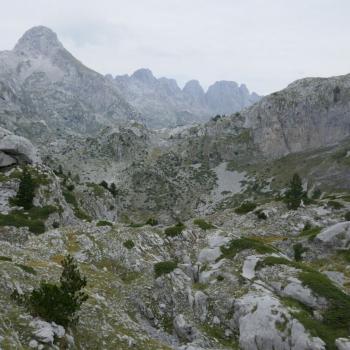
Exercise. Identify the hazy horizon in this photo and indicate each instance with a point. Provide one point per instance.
(266, 49)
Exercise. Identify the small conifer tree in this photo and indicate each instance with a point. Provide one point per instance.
(295, 193)
(26, 191)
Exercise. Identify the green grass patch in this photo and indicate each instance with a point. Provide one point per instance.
(33, 218)
(164, 267)
(235, 246)
(203, 224)
(245, 208)
(27, 269)
(310, 232)
(174, 230)
(103, 223)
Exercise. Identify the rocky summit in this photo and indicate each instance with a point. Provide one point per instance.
(232, 232)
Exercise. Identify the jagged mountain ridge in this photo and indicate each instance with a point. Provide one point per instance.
(44, 90)
(163, 103)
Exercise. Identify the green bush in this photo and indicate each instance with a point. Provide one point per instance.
(237, 245)
(310, 231)
(129, 244)
(298, 251)
(335, 205)
(59, 303)
(203, 224)
(245, 208)
(347, 216)
(26, 268)
(164, 267)
(26, 191)
(104, 223)
(152, 222)
(33, 218)
(295, 193)
(5, 258)
(175, 230)
(260, 215)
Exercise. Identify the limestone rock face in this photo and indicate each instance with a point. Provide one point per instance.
(338, 235)
(308, 114)
(16, 149)
(265, 324)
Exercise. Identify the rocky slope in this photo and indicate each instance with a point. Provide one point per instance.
(163, 104)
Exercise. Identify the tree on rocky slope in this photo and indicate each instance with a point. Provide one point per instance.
(295, 193)
(26, 191)
(60, 303)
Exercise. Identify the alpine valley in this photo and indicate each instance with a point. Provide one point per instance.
(214, 219)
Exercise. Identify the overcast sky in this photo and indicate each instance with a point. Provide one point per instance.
(265, 44)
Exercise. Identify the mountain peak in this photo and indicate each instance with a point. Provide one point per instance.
(38, 40)
(144, 74)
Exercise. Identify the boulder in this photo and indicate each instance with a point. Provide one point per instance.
(16, 149)
(337, 236)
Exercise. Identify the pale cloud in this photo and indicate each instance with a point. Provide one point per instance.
(264, 43)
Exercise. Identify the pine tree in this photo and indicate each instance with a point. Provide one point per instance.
(295, 193)
(60, 303)
(113, 189)
(26, 191)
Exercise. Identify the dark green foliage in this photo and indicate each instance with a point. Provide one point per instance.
(203, 224)
(335, 205)
(5, 258)
(26, 191)
(129, 244)
(164, 267)
(175, 230)
(295, 193)
(78, 212)
(310, 231)
(152, 222)
(113, 189)
(33, 218)
(70, 187)
(220, 278)
(237, 245)
(60, 303)
(104, 184)
(337, 314)
(316, 194)
(298, 251)
(26, 268)
(347, 216)
(104, 223)
(260, 215)
(245, 208)
(55, 224)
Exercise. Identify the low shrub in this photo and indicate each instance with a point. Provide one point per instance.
(5, 258)
(129, 244)
(26, 268)
(310, 231)
(245, 208)
(203, 224)
(298, 251)
(260, 215)
(237, 245)
(103, 223)
(347, 216)
(335, 205)
(164, 267)
(175, 230)
(152, 222)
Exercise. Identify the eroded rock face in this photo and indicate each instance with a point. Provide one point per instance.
(16, 150)
(337, 236)
(264, 323)
(309, 113)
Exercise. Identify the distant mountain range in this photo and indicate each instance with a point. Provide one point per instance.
(44, 90)
(162, 103)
